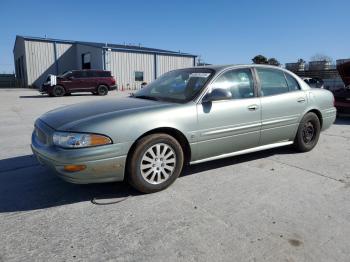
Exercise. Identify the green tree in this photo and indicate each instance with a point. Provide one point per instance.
(273, 61)
(259, 59)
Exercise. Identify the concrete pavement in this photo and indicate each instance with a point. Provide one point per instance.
(274, 205)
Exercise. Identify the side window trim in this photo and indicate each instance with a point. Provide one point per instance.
(257, 85)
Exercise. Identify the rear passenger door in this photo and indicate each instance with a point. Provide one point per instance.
(282, 104)
(86, 81)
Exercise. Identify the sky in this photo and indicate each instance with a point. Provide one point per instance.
(220, 32)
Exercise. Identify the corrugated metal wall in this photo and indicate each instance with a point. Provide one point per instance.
(166, 63)
(40, 61)
(66, 57)
(96, 56)
(20, 62)
(123, 66)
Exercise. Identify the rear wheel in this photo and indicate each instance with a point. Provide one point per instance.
(156, 163)
(308, 133)
(58, 91)
(102, 90)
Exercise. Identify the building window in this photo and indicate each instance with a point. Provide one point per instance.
(86, 61)
(138, 76)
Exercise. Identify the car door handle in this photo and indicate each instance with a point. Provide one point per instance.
(253, 107)
(301, 100)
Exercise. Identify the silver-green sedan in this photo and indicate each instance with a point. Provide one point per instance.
(187, 116)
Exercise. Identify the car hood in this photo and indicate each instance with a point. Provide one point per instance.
(63, 117)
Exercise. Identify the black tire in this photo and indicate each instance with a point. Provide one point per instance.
(68, 94)
(102, 90)
(58, 91)
(308, 133)
(136, 164)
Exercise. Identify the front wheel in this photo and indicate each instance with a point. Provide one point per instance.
(58, 91)
(308, 133)
(156, 163)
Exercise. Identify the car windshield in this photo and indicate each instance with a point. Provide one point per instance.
(176, 86)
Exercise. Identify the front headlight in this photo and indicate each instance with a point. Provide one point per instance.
(79, 140)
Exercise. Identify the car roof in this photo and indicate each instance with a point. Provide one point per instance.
(219, 68)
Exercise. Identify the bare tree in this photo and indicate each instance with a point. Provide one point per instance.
(321, 57)
(301, 61)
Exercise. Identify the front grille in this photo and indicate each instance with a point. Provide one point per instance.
(41, 136)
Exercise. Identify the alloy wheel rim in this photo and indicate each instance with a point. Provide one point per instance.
(158, 163)
(308, 132)
(102, 90)
(59, 91)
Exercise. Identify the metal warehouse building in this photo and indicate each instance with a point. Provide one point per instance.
(35, 58)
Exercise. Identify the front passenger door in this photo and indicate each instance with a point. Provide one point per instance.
(232, 124)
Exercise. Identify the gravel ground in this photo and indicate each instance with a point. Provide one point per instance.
(274, 205)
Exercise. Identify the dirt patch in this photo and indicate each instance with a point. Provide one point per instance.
(295, 242)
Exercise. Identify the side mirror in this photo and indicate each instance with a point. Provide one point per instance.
(216, 95)
(70, 77)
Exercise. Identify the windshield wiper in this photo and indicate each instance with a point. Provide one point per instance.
(146, 97)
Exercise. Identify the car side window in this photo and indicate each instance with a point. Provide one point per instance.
(77, 74)
(91, 74)
(272, 82)
(84, 74)
(292, 83)
(239, 82)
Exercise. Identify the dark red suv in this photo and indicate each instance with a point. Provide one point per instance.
(98, 82)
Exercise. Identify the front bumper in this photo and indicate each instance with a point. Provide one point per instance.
(103, 164)
(44, 89)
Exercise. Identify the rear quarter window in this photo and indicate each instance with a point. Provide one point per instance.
(293, 84)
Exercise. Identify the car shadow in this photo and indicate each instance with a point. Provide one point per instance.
(25, 185)
(46, 96)
(193, 169)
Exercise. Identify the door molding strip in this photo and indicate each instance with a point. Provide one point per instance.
(241, 152)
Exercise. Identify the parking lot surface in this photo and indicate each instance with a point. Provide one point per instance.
(274, 205)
